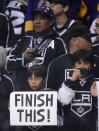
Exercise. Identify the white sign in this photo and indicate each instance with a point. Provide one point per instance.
(33, 108)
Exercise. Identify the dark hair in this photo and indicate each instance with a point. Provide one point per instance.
(85, 55)
(38, 70)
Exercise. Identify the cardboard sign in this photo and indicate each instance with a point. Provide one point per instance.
(33, 108)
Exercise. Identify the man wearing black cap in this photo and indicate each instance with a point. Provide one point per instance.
(60, 69)
(41, 48)
(63, 23)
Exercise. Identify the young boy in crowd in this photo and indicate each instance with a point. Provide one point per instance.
(36, 77)
(80, 113)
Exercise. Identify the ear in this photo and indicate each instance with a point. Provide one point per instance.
(73, 39)
(66, 8)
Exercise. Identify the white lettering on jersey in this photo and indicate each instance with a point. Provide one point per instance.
(81, 103)
(14, 4)
(68, 73)
(19, 18)
(51, 44)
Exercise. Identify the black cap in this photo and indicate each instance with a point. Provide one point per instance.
(63, 2)
(44, 10)
(79, 30)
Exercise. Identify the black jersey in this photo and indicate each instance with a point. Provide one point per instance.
(16, 12)
(58, 71)
(6, 87)
(80, 114)
(6, 32)
(62, 31)
(52, 48)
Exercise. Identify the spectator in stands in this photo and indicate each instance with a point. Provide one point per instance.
(6, 32)
(36, 76)
(62, 22)
(42, 48)
(16, 11)
(6, 87)
(59, 8)
(59, 70)
(75, 94)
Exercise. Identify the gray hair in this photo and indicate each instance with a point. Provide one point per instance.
(2, 59)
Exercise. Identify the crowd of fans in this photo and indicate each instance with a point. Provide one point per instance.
(61, 54)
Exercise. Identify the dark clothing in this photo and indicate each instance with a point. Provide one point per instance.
(6, 32)
(52, 48)
(61, 70)
(6, 87)
(58, 71)
(62, 31)
(16, 12)
(39, 128)
(81, 113)
(95, 51)
(3, 4)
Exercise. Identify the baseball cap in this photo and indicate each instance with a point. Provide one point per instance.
(63, 2)
(44, 10)
(79, 30)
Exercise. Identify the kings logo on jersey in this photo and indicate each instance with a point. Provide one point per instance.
(81, 103)
(68, 73)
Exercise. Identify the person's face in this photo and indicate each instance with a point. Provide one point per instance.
(36, 83)
(81, 43)
(42, 24)
(82, 64)
(58, 8)
(96, 27)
